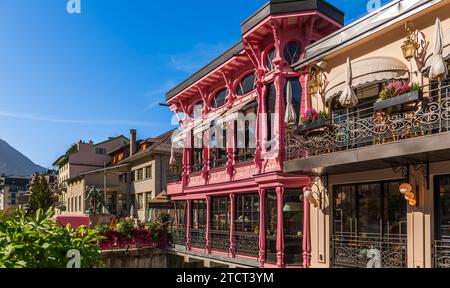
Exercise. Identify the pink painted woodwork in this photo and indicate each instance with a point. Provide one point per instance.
(262, 173)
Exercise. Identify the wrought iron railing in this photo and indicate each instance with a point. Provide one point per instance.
(220, 240)
(370, 251)
(442, 254)
(246, 244)
(178, 236)
(198, 238)
(368, 127)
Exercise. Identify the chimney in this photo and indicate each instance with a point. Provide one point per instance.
(132, 142)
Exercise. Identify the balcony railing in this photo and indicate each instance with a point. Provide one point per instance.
(220, 240)
(369, 252)
(198, 238)
(178, 236)
(368, 127)
(246, 244)
(442, 254)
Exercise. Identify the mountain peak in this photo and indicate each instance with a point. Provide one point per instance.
(14, 163)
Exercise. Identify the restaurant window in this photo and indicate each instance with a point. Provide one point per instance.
(293, 226)
(218, 145)
(220, 98)
(269, 59)
(247, 224)
(292, 52)
(296, 95)
(178, 231)
(246, 133)
(197, 151)
(442, 207)
(270, 110)
(370, 209)
(247, 85)
(220, 223)
(198, 223)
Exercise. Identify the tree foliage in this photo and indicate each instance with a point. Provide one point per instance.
(38, 242)
(41, 195)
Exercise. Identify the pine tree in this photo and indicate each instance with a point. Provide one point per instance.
(41, 196)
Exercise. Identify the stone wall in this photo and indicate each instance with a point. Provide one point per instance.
(136, 258)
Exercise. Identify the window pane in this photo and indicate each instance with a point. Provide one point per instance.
(271, 226)
(369, 205)
(219, 99)
(395, 209)
(270, 56)
(443, 194)
(345, 209)
(247, 85)
(292, 52)
(247, 213)
(296, 94)
(270, 108)
(293, 226)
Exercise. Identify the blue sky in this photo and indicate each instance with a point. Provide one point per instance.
(91, 76)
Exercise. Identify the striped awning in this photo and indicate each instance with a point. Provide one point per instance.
(365, 72)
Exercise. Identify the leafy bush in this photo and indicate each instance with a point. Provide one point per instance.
(125, 226)
(102, 229)
(8, 214)
(38, 242)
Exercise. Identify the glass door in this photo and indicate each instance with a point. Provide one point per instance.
(271, 226)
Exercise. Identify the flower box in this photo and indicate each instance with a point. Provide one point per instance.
(315, 125)
(398, 100)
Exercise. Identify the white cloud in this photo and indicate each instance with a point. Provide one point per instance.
(105, 122)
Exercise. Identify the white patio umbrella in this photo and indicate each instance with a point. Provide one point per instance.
(348, 97)
(172, 160)
(438, 68)
(132, 211)
(290, 115)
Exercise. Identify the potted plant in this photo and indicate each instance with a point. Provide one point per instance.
(313, 120)
(397, 93)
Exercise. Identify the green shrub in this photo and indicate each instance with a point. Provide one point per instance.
(38, 242)
(102, 229)
(125, 226)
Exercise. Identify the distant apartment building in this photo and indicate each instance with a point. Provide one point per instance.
(11, 190)
(143, 171)
(51, 177)
(79, 159)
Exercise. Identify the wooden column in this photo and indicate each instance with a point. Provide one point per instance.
(306, 233)
(232, 225)
(188, 225)
(208, 224)
(280, 227)
(262, 227)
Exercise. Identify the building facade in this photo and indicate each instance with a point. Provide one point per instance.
(79, 159)
(12, 190)
(143, 178)
(378, 154)
(234, 202)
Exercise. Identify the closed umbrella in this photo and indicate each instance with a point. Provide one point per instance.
(348, 97)
(290, 116)
(438, 68)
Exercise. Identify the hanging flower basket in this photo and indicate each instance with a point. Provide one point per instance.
(396, 94)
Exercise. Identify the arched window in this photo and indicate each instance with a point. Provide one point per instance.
(270, 56)
(247, 85)
(292, 52)
(197, 111)
(219, 99)
(296, 94)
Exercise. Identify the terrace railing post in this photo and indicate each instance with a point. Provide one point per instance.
(280, 226)
(188, 225)
(232, 225)
(262, 227)
(208, 225)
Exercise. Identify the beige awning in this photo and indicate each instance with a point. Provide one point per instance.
(367, 71)
(445, 54)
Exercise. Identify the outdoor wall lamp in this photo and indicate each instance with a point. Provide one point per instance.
(411, 44)
(406, 189)
(310, 197)
(317, 82)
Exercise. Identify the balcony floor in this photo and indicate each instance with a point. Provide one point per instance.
(430, 148)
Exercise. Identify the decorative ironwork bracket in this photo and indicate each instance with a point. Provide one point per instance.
(320, 192)
(403, 167)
